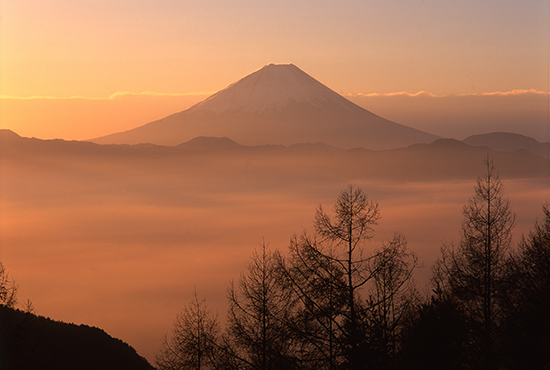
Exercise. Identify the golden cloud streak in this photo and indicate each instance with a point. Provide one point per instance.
(431, 95)
(122, 94)
(116, 95)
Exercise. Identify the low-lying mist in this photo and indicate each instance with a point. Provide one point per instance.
(119, 237)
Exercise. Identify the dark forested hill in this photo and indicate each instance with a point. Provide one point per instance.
(34, 342)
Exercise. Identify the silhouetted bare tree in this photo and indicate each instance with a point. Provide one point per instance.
(319, 287)
(391, 301)
(259, 311)
(193, 342)
(474, 271)
(327, 274)
(8, 288)
(354, 218)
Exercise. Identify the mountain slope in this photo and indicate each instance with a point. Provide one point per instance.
(278, 104)
(28, 341)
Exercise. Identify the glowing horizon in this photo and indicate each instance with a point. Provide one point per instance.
(119, 241)
(82, 118)
(121, 94)
(89, 50)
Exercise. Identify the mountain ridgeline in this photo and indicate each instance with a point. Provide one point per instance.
(35, 342)
(443, 159)
(281, 105)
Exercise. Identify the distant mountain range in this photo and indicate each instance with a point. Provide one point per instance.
(515, 157)
(278, 104)
(507, 142)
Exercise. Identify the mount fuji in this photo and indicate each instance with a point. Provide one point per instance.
(278, 104)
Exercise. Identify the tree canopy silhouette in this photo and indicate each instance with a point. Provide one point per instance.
(259, 310)
(8, 288)
(194, 339)
(333, 302)
(474, 272)
(528, 324)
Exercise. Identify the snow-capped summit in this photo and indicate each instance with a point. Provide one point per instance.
(278, 104)
(273, 87)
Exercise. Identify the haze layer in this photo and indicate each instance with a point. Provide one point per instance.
(120, 236)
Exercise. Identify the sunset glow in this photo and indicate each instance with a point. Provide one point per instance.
(118, 236)
(95, 49)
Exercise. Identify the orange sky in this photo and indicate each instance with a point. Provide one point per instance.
(457, 116)
(96, 49)
(121, 249)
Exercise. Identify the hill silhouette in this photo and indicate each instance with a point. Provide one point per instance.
(507, 142)
(35, 342)
(439, 160)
